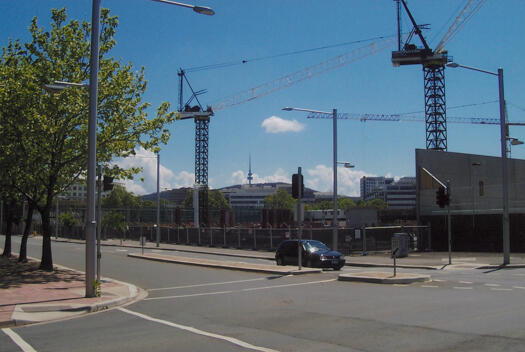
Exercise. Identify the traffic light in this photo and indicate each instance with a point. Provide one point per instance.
(297, 181)
(442, 197)
(107, 183)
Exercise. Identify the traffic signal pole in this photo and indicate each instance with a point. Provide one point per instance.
(99, 222)
(449, 228)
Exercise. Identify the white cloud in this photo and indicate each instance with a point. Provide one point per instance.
(275, 124)
(148, 161)
(348, 180)
(239, 177)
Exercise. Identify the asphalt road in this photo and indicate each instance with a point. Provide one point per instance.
(205, 309)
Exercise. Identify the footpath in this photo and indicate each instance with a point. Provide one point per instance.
(29, 295)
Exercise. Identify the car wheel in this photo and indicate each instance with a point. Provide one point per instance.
(337, 268)
(279, 260)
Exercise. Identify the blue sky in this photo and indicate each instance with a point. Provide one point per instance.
(164, 38)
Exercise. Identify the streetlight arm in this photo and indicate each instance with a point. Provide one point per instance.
(203, 10)
(306, 110)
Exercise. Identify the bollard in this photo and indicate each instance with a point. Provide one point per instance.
(187, 235)
(254, 240)
(271, 238)
(178, 234)
(239, 237)
(394, 255)
(211, 238)
(224, 232)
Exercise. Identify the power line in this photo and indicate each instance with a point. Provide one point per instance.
(296, 52)
(452, 107)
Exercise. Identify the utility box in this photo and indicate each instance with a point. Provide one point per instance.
(400, 240)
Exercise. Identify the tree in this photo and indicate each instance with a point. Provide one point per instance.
(53, 128)
(279, 200)
(121, 198)
(114, 221)
(342, 203)
(216, 200)
(68, 220)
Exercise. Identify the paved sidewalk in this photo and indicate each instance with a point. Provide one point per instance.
(30, 295)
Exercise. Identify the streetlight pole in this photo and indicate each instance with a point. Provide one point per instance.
(336, 210)
(158, 199)
(335, 162)
(504, 162)
(91, 225)
(92, 137)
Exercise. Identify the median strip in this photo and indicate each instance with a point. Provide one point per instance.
(243, 266)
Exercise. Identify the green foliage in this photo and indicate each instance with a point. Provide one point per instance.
(114, 221)
(121, 198)
(216, 200)
(280, 200)
(44, 136)
(377, 203)
(68, 220)
(345, 203)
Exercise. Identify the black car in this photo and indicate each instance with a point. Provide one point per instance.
(315, 254)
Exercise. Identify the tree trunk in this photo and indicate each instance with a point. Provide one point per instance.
(46, 262)
(8, 211)
(23, 245)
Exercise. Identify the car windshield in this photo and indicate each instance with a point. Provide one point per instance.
(314, 246)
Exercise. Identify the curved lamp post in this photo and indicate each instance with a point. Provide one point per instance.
(505, 176)
(335, 162)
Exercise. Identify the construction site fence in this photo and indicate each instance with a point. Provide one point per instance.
(349, 240)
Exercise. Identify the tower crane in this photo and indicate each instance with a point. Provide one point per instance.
(202, 116)
(202, 121)
(433, 62)
(400, 117)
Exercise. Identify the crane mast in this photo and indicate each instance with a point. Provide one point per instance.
(434, 82)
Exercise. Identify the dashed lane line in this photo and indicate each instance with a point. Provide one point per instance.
(200, 332)
(466, 282)
(24, 346)
(492, 285)
(429, 286)
(519, 287)
(462, 288)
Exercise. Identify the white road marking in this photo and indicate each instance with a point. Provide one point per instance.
(438, 280)
(184, 296)
(24, 346)
(465, 282)
(492, 285)
(462, 288)
(429, 286)
(242, 290)
(519, 287)
(287, 285)
(121, 250)
(200, 332)
(500, 289)
(208, 284)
